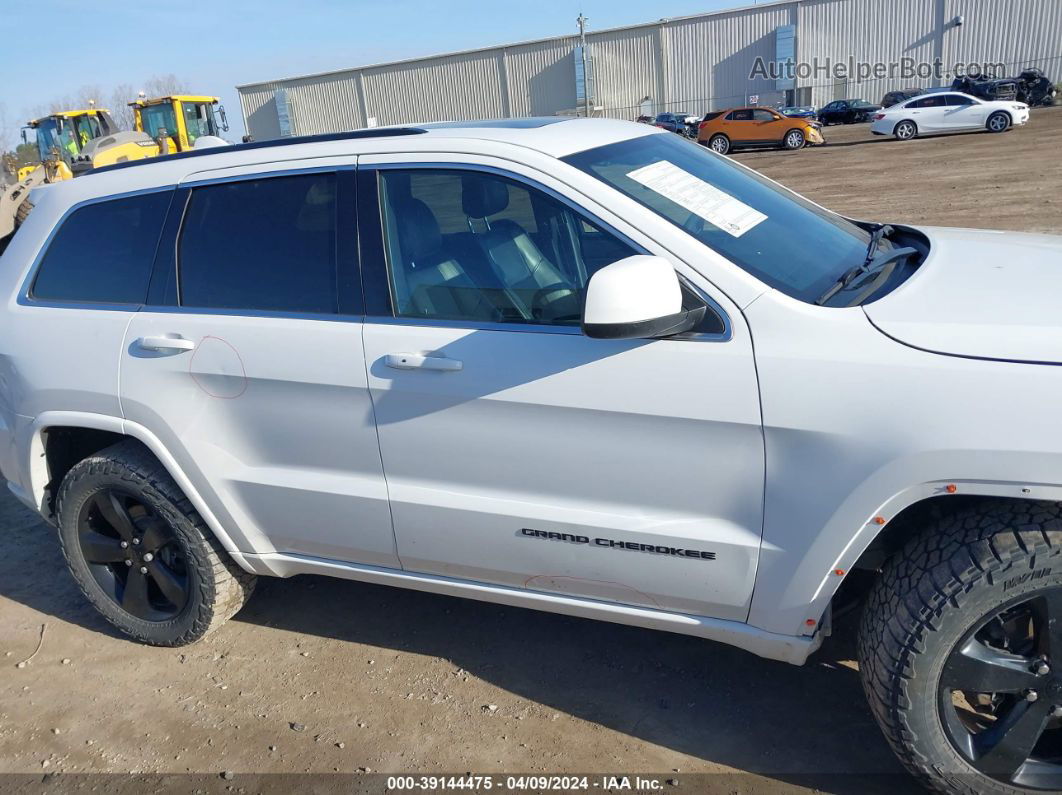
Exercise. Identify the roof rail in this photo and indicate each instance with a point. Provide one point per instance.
(379, 132)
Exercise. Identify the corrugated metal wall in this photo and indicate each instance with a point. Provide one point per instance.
(694, 64)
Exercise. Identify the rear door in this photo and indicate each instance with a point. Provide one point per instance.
(929, 113)
(520, 452)
(247, 363)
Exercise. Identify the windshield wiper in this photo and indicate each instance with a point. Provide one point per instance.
(885, 264)
(850, 275)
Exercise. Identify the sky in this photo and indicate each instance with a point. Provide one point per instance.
(215, 46)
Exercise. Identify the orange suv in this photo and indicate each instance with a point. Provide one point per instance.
(747, 127)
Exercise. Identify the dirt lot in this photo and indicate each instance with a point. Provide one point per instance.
(326, 676)
(1007, 181)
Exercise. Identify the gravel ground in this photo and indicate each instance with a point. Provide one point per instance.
(328, 676)
(1007, 181)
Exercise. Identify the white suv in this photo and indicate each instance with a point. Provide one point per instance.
(576, 365)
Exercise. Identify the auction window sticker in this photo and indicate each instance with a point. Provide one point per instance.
(694, 194)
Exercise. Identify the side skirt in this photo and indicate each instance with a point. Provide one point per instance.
(786, 648)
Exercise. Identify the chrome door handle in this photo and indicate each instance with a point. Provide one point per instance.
(418, 361)
(175, 343)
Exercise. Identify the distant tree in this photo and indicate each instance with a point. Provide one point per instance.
(7, 131)
(122, 114)
(92, 95)
(85, 97)
(26, 154)
(164, 85)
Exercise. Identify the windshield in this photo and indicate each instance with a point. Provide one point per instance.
(199, 120)
(47, 138)
(56, 133)
(155, 118)
(777, 236)
(86, 128)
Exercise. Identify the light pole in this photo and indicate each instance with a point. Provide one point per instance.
(582, 51)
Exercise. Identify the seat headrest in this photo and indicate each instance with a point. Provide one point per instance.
(483, 196)
(418, 230)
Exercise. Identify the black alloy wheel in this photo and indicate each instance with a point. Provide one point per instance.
(1001, 693)
(133, 555)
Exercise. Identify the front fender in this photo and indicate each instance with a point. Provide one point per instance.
(859, 426)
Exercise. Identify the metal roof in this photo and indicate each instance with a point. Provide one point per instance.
(524, 43)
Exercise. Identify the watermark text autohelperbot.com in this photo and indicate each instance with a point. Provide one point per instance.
(853, 69)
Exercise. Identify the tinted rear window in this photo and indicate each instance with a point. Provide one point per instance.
(103, 252)
(261, 244)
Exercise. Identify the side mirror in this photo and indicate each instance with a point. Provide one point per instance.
(224, 118)
(637, 298)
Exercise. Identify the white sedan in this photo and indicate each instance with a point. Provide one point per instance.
(945, 112)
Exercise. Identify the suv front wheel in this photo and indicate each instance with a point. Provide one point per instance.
(139, 551)
(961, 650)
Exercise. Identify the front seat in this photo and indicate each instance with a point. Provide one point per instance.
(436, 284)
(531, 280)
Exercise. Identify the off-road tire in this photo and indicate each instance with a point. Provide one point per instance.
(218, 586)
(22, 213)
(942, 584)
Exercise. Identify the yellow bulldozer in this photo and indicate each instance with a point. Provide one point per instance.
(73, 142)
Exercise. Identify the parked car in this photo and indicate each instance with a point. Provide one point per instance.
(1005, 89)
(1031, 86)
(803, 112)
(737, 128)
(948, 112)
(847, 111)
(677, 122)
(896, 97)
(240, 382)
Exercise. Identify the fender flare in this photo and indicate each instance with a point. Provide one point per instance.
(878, 520)
(37, 468)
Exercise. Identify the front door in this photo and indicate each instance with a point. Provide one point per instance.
(963, 113)
(249, 365)
(518, 451)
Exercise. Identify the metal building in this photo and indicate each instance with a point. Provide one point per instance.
(784, 52)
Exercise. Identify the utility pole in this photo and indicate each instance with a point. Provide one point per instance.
(582, 51)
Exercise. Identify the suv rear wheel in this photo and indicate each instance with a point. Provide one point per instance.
(139, 551)
(961, 651)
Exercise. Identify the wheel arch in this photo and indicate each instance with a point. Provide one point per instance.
(58, 440)
(903, 517)
(724, 136)
(1007, 113)
(791, 130)
(896, 126)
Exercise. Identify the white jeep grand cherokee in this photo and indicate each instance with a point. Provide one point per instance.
(582, 366)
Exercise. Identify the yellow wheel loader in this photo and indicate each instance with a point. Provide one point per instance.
(61, 137)
(178, 121)
(71, 143)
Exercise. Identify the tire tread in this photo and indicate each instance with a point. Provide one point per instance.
(222, 593)
(932, 575)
